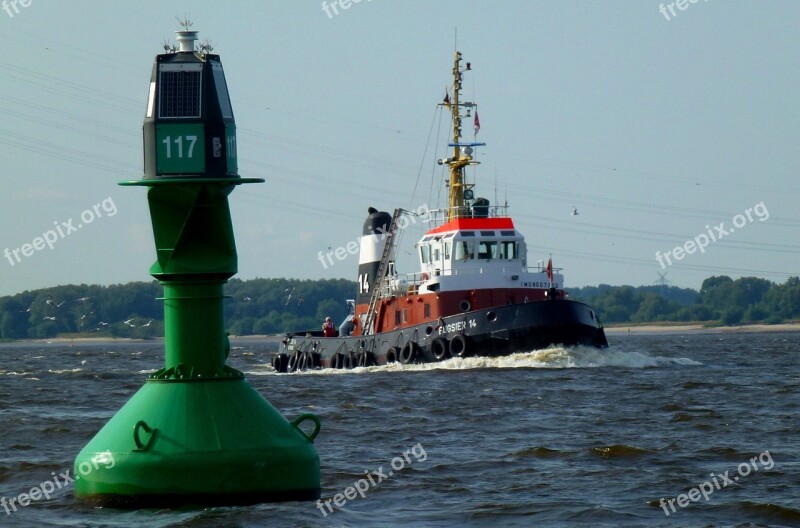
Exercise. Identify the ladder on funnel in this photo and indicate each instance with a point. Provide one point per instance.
(383, 267)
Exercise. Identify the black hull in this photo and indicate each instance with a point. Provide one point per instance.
(497, 331)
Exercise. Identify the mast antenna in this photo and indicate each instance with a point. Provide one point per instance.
(495, 185)
(459, 191)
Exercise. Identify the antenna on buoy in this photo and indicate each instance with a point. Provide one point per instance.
(169, 47)
(187, 37)
(185, 22)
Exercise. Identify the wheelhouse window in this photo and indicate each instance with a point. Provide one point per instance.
(424, 253)
(487, 249)
(465, 250)
(509, 250)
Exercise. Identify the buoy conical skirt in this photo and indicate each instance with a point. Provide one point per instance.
(198, 442)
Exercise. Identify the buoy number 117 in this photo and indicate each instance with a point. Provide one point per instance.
(179, 140)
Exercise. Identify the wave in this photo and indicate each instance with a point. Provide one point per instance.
(553, 357)
(769, 511)
(542, 452)
(65, 371)
(619, 451)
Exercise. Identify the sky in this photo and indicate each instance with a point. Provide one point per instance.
(659, 125)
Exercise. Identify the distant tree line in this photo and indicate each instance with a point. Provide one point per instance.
(258, 306)
(269, 306)
(721, 300)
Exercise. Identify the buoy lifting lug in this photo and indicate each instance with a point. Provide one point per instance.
(141, 425)
(303, 417)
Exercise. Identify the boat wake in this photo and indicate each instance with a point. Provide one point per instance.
(553, 358)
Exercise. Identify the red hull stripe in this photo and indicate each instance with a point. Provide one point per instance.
(395, 313)
(473, 223)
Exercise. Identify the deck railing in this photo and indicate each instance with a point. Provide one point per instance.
(437, 217)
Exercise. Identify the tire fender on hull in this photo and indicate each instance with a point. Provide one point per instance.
(352, 360)
(409, 353)
(280, 363)
(366, 359)
(459, 346)
(338, 361)
(392, 355)
(439, 349)
(295, 361)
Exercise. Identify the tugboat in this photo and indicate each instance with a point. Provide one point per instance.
(473, 296)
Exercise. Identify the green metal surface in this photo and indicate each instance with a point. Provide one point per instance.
(196, 432)
(198, 442)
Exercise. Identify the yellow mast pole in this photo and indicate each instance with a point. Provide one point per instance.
(461, 156)
(456, 191)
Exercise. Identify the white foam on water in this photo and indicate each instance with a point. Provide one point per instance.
(553, 357)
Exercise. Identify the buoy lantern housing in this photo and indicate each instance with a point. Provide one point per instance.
(189, 130)
(196, 432)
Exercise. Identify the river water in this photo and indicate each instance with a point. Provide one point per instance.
(708, 423)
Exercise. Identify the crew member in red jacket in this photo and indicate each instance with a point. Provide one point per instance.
(328, 330)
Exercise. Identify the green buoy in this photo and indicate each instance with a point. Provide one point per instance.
(196, 432)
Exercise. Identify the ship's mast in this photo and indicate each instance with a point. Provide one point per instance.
(462, 152)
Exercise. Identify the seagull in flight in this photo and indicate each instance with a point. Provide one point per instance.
(575, 211)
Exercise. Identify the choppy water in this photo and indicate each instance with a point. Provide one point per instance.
(575, 437)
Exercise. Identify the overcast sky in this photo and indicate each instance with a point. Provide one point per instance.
(653, 125)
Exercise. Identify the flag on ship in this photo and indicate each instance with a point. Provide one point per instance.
(477, 125)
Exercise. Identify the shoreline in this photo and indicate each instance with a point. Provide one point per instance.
(668, 329)
(68, 340)
(616, 330)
